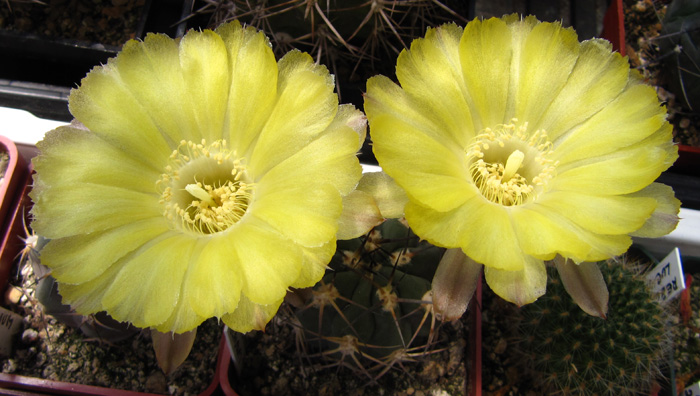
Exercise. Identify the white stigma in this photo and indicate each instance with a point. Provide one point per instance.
(515, 160)
(198, 192)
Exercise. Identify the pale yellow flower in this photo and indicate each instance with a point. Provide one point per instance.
(203, 180)
(516, 143)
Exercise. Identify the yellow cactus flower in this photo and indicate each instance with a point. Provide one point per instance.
(517, 143)
(201, 179)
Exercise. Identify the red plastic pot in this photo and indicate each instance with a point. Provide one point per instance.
(614, 27)
(474, 366)
(13, 207)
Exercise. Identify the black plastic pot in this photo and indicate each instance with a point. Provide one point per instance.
(37, 73)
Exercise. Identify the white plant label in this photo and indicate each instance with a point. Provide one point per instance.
(10, 324)
(692, 390)
(666, 278)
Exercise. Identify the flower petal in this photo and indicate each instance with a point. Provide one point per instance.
(543, 238)
(541, 67)
(479, 227)
(585, 284)
(81, 258)
(597, 79)
(360, 214)
(622, 172)
(665, 217)
(71, 155)
(253, 89)
(395, 144)
(205, 71)
(106, 105)
(543, 233)
(439, 228)
(182, 319)
(519, 287)
(306, 216)
(183, 85)
(212, 286)
(82, 208)
(630, 118)
(86, 298)
(348, 115)
(331, 159)
(251, 316)
(600, 214)
(147, 288)
(306, 105)
(430, 72)
(314, 266)
(151, 73)
(390, 198)
(384, 97)
(269, 263)
(454, 284)
(486, 52)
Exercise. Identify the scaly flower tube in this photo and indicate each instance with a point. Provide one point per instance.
(201, 179)
(517, 143)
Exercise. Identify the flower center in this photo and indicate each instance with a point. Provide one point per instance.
(509, 165)
(205, 188)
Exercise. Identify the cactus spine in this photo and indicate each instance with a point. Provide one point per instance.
(372, 310)
(362, 36)
(573, 353)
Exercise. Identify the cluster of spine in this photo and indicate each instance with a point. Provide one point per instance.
(573, 353)
(373, 309)
(364, 35)
(686, 335)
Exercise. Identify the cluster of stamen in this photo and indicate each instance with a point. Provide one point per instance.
(212, 204)
(510, 165)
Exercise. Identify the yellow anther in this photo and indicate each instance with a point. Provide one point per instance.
(212, 204)
(501, 160)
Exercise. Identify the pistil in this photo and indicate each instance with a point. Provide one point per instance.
(515, 160)
(198, 192)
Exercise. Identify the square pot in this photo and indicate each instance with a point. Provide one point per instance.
(38, 72)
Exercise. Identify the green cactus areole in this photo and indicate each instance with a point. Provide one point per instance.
(573, 353)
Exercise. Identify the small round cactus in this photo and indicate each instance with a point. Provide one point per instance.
(373, 308)
(573, 353)
(686, 335)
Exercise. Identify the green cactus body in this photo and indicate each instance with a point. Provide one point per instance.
(573, 353)
(686, 335)
(375, 300)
